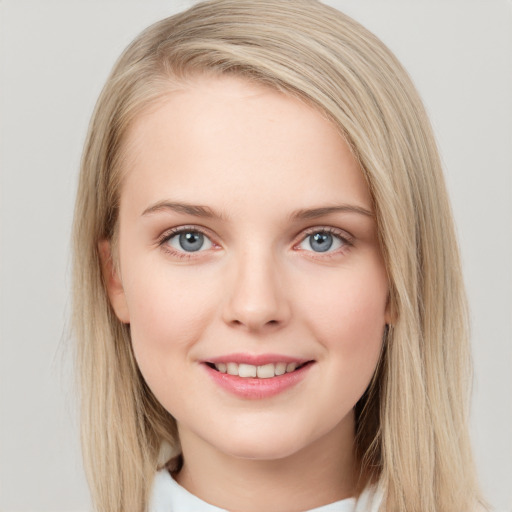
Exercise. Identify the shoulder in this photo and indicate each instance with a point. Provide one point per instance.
(161, 492)
(370, 499)
(169, 496)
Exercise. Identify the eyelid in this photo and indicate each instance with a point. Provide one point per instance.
(347, 238)
(171, 232)
(341, 233)
(344, 236)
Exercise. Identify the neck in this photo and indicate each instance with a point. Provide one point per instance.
(320, 473)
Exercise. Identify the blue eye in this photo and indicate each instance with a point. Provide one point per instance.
(189, 241)
(321, 241)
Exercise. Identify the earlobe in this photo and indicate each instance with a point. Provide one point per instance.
(113, 282)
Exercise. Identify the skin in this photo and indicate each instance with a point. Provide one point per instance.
(255, 157)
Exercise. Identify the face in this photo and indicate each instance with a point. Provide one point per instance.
(249, 268)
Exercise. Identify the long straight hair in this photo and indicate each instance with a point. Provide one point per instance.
(412, 423)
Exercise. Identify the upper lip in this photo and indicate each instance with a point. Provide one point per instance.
(256, 359)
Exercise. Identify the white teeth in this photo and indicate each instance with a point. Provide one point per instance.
(290, 367)
(221, 367)
(232, 368)
(280, 369)
(265, 371)
(246, 370)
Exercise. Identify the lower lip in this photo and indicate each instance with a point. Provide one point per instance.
(253, 388)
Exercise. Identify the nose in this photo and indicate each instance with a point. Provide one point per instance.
(256, 299)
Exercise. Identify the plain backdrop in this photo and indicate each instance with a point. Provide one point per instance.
(55, 56)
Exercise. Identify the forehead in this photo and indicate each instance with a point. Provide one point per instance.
(249, 138)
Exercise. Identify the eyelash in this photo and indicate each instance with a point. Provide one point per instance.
(165, 237)
(343, 236)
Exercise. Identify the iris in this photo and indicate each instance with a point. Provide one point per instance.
(191, 241)
(321, 242)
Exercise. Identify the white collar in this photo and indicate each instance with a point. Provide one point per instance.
(169, 496)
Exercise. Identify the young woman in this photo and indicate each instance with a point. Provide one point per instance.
(268, 299)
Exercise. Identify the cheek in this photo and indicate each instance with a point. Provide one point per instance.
(347, 314)
(353, 299)
(168, 313)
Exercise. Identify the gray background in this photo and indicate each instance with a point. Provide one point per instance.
(55, 56)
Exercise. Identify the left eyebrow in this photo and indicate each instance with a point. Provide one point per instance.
(313, 213)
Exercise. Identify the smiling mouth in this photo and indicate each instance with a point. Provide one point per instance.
(265, 371)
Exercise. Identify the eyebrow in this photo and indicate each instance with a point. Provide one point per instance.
(190, 209)
(313, 213)
(207, 212)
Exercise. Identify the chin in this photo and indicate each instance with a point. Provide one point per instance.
(263, 451)
(264, 444)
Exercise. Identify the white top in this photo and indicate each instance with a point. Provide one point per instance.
(169, 496)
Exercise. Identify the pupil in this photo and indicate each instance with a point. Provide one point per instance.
(321, 242)
(191, 241)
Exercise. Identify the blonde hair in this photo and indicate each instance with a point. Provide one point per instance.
(412, 423)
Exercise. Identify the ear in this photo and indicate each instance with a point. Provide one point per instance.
(113, 282)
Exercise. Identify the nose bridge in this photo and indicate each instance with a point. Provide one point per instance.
(257, 296)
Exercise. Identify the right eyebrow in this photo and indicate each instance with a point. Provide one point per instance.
(187, 208)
